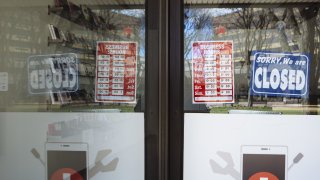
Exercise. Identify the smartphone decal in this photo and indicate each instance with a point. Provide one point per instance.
(264, 167)
(67, 165)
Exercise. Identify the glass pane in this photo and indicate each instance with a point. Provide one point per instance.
(35, 36)
(72, 78)
(257, 58)
(252, 71)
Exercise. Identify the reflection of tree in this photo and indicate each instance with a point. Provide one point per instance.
(197, 26)
(305, 25)
(309, 16)
(133, 20)
(253, 25)
(296, 29)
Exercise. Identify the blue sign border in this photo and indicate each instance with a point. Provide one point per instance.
(45, 91)
(285, 94)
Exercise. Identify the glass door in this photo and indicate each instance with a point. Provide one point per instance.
(72, 89)
(251, 90)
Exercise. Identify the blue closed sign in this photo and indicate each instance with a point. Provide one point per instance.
(280, 74)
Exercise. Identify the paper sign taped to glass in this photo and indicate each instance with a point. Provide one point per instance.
(53, 73)
(280, 74)
(212, 72)
(116, 69)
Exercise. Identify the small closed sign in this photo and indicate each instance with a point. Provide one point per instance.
(53, 73)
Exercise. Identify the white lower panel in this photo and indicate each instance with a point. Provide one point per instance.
(209, 137)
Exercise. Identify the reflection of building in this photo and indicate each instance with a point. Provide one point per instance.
(20, 37)
(25, 33)
(256, 29)
(260, 29)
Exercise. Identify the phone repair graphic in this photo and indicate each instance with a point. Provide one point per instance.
(264, 163)
(67, 161)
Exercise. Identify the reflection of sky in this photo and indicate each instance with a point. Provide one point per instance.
(221, 11)
(139, 14)
(194, 33)
(204, 33)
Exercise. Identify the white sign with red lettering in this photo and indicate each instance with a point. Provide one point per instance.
(116, 69)
(212, 72)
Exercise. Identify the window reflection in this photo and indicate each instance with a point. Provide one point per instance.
(276, 29)
(60, 29)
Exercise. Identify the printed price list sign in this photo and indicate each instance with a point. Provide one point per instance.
(212, 72)
(116, 72)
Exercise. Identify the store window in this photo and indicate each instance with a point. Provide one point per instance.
(32, 33)
(251, 34)
(251, 81)
(72, 80)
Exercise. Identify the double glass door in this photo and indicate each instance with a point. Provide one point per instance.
(159, 90)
